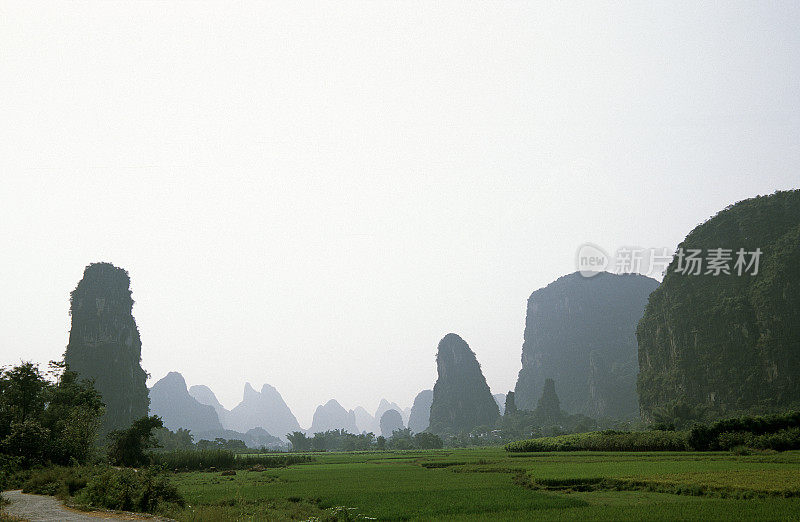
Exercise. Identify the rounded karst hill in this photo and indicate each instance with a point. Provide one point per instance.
(728, 343)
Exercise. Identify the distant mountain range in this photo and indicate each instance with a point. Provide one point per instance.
(332, 416)
(265, 409)
(261, 419)
(170, 400)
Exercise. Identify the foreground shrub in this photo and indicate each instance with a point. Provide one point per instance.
(129, 490)
(198, 460)
(777, 432)
(782, 440)
(59, 481)
(129, 447)
(610, 440)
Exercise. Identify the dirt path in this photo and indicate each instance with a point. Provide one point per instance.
(40, 508)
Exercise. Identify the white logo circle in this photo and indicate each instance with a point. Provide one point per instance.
(591, 260)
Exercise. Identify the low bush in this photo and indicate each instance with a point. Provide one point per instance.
(129, 490)
(198, 460)
(654, 440)
(782, 440)
(766, 430)
(59, 481)
(105, 487)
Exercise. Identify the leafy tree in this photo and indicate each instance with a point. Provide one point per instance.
(380, 442)
(171, 441)
(299, 441)
(43, 421)
(401, 439)
(232, 445)
(318, 442)
(73, 413)
(29, 441)
(22, 388)
(341, 440)
(427, 440)
(129, 447)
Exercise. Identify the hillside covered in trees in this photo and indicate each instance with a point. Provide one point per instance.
(715, 344)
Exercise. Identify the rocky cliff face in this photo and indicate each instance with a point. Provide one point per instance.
(420, 416)
(170, 400)
(461, 397)
(728, 343)
(265, 409)
(332, 416)
(391, 420)
(104, 343)
(204, 395)
(581, 332)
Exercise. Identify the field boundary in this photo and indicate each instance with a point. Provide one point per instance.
(611, 484)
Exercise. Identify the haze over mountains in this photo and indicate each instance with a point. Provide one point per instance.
(421, 411)
(260, 416)
(581, 332)
(332, 416)
(461, 397)
(170, 400)
(580, 356)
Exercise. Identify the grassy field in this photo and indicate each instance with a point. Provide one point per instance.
(482, 484)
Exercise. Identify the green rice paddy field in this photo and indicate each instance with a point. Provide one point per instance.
(491, 484)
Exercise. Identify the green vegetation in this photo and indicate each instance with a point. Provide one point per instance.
(195, 460)
(145, 490)
(489, 483)
(341, 440)
(609, 440)
(528, 481)
(44, 421)
(727, 344)
(547, 420)
(778, 432)
(129, 490)
(59, 481)
(131, 447)
(771, 432)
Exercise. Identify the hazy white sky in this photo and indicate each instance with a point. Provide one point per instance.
(313, 194)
